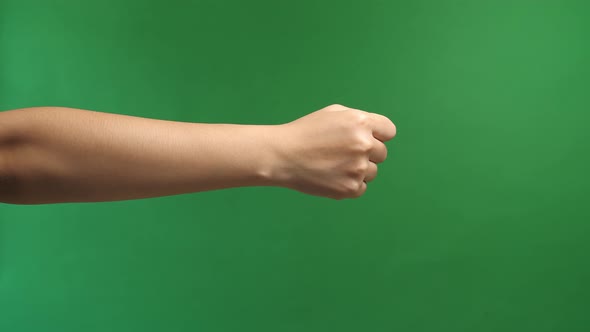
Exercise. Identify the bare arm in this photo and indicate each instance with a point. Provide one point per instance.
(54, 154)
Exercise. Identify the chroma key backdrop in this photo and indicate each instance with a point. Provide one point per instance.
(479, 220)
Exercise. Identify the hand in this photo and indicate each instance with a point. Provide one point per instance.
(332, 152)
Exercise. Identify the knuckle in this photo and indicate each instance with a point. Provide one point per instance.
(361, 191)
(358, 194)
(335, 107)
(361, 118)
(361, 167)
(352, 187)
(363, 144)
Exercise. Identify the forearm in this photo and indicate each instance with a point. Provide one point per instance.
(71, 155)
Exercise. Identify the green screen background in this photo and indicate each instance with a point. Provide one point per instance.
(478, 220)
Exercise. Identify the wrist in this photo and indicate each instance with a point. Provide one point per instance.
(271, 169)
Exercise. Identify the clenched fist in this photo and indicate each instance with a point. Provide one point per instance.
(332, 152)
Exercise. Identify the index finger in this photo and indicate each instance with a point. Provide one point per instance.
(382, 127)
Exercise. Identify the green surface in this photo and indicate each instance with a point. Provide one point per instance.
(478, 221)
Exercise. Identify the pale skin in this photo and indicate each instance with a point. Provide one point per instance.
(59, 155)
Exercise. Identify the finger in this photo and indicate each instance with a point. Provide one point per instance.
(383, 129)
(371, 172)
(361, 191)
(378, 152)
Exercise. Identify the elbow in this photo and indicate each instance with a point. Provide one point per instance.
(11, 177)
(10, 182)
